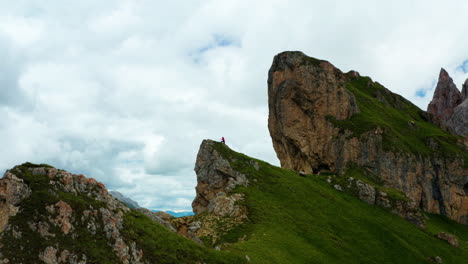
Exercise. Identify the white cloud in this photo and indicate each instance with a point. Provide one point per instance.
(124, 91)
(21, 30)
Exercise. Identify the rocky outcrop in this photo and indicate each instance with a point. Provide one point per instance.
(301, 92)
(451, 239)
(42, 208)
(215, 181)
(61, 215)
(217, 209)
(458, 122)
(307, 97)
(449, 107)
(391, 199)
(446, 98)
(12, 191)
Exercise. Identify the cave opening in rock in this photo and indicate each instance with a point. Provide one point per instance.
(323, 169)
(465, 188)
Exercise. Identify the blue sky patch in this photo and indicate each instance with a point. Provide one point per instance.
(217, 40)
(421, 92)
(463, 67)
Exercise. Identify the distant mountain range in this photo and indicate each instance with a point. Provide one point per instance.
(124, 199)
(132, 204)
(176, 214)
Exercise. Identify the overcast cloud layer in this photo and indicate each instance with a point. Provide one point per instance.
(125, 91)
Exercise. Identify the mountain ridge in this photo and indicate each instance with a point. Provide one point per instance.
(357, 162)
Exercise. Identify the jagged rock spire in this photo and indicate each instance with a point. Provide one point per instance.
(446, 97)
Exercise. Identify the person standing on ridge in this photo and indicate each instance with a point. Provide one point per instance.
(222, 140)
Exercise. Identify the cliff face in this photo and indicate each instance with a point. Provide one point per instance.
(449, 107)
(446, 98)
(296, 109)
(218, 210)
(324, 120)
(458, 122)
(215, 180)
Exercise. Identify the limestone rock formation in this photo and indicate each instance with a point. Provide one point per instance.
(317, 124)
(449, 107)
(397, 203)
(458, 122)
(42, 208)
(301, 92)
(446, 98)
(216, 208)
(215, 180)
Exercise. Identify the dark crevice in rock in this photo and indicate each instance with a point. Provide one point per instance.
(436, 193)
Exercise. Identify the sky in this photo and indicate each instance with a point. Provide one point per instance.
(124, 91)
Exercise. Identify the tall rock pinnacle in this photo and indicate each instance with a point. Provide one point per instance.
(324, 120)
(450, 107)
(446, 98)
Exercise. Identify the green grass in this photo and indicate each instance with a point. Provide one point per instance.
(310, 61)
(405, 126)
(439, 223)
(296, 219)
(162, 246)
(32, 165)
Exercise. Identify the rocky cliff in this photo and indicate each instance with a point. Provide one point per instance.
(216, 179)
(52, 216)
(446, 98)
(449, 107)
(458, 122)
(324, 120)
(218, 209)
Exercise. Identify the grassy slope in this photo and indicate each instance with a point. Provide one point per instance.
(162, 246)
(404, 124)
(302, 220)
(159, 244)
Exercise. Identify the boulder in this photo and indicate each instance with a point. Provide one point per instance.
(451, 239)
